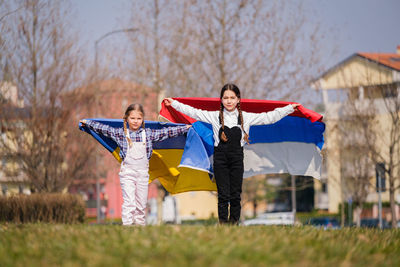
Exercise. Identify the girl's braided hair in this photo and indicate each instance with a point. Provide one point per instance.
(136, 107)
(232, 87)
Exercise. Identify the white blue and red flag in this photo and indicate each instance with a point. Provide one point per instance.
(292, 145)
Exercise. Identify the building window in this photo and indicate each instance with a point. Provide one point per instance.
(390, 91)
(379, 92)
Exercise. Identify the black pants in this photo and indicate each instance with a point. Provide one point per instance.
(228, 170)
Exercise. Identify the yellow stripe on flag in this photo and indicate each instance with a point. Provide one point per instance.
(115, 153)
(162, 166)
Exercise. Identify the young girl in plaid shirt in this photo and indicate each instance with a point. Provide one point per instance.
(136, 144)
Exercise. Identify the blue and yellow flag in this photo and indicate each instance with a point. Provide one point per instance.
(165, 162)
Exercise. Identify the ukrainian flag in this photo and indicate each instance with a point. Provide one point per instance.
(166, 158)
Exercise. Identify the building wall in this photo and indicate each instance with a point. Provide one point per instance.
(197, 205)
(9, 188)
(351, 75)
(333, 145)
(356, 73)
(9, 92)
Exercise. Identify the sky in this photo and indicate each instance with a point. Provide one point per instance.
(362, 25)
(350, 25)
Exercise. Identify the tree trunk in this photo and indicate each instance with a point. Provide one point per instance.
(255, 204)
(392, 205)
(358, 210)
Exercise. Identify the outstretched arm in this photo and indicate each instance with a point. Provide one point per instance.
(271, 116)
(168, 132)
(197, 114)
(101, 128)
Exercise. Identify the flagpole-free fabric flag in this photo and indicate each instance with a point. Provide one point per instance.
(166, 158)
(292, 145)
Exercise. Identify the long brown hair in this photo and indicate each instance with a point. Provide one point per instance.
(136, 107)
(232, 87)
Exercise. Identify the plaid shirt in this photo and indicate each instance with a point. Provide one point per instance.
(152, 135)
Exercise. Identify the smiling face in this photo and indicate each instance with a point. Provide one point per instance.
(229, 100)
(135, 120)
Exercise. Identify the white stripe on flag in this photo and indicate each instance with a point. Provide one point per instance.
(286, 157)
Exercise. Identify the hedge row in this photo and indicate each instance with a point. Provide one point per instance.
(47, 208)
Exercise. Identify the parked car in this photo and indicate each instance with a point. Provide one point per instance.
(271, 218)
(373, 223)
(325, 223)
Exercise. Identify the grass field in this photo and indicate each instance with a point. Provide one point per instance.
(115, 245)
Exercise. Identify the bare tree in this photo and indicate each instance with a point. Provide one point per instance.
(3, 15)
(385, 147)
(44, 64)
(370, 135)
(356, 166)
(191, 48)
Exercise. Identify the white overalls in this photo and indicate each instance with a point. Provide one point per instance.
(134, 179)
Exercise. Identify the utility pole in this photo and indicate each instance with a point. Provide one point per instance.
(293, 182)
(380, 175)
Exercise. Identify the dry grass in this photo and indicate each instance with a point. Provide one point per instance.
(48, 208)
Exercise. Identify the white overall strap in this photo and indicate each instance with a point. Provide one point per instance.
(144, 135)
(144, 142)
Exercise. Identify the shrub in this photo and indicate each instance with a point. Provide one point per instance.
(48, 208)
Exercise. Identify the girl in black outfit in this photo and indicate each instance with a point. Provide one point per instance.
(230, 129)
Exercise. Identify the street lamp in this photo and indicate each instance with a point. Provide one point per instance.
(96, 43)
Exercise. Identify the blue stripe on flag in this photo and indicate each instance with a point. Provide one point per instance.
(289, 129)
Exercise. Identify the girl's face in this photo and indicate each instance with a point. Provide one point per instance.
(230, 100)
(135, 120)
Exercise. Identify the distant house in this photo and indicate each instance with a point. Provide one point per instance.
(360, 76)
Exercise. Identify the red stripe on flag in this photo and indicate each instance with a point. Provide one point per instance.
(248, 105)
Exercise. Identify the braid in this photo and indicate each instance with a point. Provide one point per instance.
(221, 119)
(127, 132)
(246, 136)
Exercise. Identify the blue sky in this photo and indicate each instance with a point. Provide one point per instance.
(364, 25)
(352, 25)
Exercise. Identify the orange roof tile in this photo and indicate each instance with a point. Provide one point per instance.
(390, 60)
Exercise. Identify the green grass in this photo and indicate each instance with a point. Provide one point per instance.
(187, 245)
